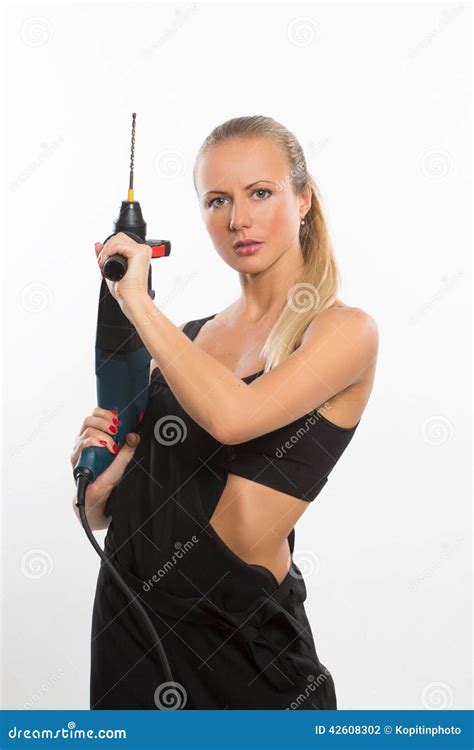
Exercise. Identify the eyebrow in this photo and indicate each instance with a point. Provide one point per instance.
(248, 186)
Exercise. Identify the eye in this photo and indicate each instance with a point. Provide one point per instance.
(212, 203)
(262, 190)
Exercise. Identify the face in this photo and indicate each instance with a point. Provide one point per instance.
(245, 192)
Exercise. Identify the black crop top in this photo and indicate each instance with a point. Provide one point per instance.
(295, 459)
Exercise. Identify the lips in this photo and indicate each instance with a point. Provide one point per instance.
(246, 241)
(247, 247)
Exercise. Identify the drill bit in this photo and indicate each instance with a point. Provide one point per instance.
(132, 155)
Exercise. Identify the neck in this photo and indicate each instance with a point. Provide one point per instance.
(264, 294)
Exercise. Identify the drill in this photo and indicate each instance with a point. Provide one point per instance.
(122, 368)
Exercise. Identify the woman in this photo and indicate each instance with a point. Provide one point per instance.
(232, 448)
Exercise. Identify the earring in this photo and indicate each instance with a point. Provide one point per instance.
(303, 222)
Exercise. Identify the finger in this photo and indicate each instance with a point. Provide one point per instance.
(97, 423)
(101, 419)
(127, 450)
(125, 453)
(105, 413)
(101, 441)
(115, 247)
(132, 439)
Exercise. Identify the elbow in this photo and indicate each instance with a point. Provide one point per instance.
(231, 434)
(223, 434)
(235, 427)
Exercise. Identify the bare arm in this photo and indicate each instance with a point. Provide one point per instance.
(337, 348)
(94, 513)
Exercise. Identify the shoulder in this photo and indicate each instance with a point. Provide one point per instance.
(347, 325)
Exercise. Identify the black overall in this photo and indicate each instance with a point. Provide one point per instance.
(235, 638)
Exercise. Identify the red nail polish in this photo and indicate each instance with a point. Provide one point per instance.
(102, 442)
(115, 448)
(115, 421)
(112, 428)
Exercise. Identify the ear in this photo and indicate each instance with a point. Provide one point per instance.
(305, 199)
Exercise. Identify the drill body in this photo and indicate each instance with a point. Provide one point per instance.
(122, 362)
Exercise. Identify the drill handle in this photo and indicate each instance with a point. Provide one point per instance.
(116, 266)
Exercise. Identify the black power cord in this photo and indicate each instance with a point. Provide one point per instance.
(82, 483)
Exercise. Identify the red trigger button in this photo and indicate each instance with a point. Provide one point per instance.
(157, 251)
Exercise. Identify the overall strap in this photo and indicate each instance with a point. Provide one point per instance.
(192, 327)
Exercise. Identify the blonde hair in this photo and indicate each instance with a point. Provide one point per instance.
(319, 283)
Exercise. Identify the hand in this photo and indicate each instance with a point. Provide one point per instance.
(138, 257)
(98, 429)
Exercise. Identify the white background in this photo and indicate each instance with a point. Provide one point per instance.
(379, 97)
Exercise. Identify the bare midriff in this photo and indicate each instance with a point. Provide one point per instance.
(254, 521)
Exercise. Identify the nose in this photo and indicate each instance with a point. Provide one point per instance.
(240, 215)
